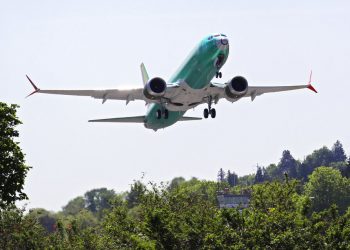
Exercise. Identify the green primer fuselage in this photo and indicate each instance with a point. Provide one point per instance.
(197, 71)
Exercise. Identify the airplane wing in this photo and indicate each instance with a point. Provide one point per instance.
(133, 119)
(256, 91)
(114, 94)
(217, 90)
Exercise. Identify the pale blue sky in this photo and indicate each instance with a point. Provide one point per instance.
(100, 44)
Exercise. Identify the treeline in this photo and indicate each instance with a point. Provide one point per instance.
(294, 169)
(294, 205)
(184, 215)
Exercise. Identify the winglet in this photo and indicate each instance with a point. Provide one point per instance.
(36, 89)
(312, 88)
(144, 74)
(309, 84)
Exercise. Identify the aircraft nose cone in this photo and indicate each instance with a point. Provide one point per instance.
(224, 41)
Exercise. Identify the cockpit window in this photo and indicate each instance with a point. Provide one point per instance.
(216, 35)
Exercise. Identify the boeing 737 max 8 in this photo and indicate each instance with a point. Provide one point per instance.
(190, 86)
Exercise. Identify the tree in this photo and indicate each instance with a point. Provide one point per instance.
(232, 178)
(246, 180)
(121, 231)
(45, 218)
(338, 152)
(176, 182)
(74, 206)
(20, 232)
(320, 157)
(83, 219)
(136, 191)
(221, 175)
(266, 174)
(259, 177)
(325, 187)
(272, 172)
(288, 165)
(346, 169)
(97, 200)
(12, 165)
(342, 166)
(182, 218)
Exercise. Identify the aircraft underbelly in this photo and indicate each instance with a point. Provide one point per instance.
(153, 123)
(186, 99)
(194, 76)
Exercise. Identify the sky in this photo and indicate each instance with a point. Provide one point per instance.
(100, 44)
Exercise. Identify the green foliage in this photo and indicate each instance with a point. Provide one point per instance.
(12, 165)
(338, 152)
(335, 158)
(97, 200)
(259, 177)
(174, 218)
(342, 166)
(246, 180)
(221, 175)
(176, 182)
(179, 219)
(94, 201)
(187, 217)
(232, 178)
(326, 186)
(288, 165)
(74, 206)
(206, 189)
(20, 232)
(121, 231)
(273, 172)
(320, 157)
(46, 219)
(275, 195)
(136, 191)
(85, 219)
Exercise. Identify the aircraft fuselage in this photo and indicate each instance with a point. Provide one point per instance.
(194, 74)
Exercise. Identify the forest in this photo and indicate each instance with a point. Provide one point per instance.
(294, 204)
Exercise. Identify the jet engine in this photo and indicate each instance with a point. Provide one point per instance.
(237, 87)
(155, 88)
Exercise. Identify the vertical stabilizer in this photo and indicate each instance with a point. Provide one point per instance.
(144, 74)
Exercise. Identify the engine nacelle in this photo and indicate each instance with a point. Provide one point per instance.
(155, 88)
(237, 87)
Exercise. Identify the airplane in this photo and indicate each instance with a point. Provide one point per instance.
(190, 86)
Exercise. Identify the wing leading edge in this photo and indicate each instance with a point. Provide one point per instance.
(218, 89)
(139, 119)
(133, 119)
(256, 91)
(116, 94)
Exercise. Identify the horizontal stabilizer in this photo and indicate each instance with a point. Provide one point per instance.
(186, 118)
(135, 119)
